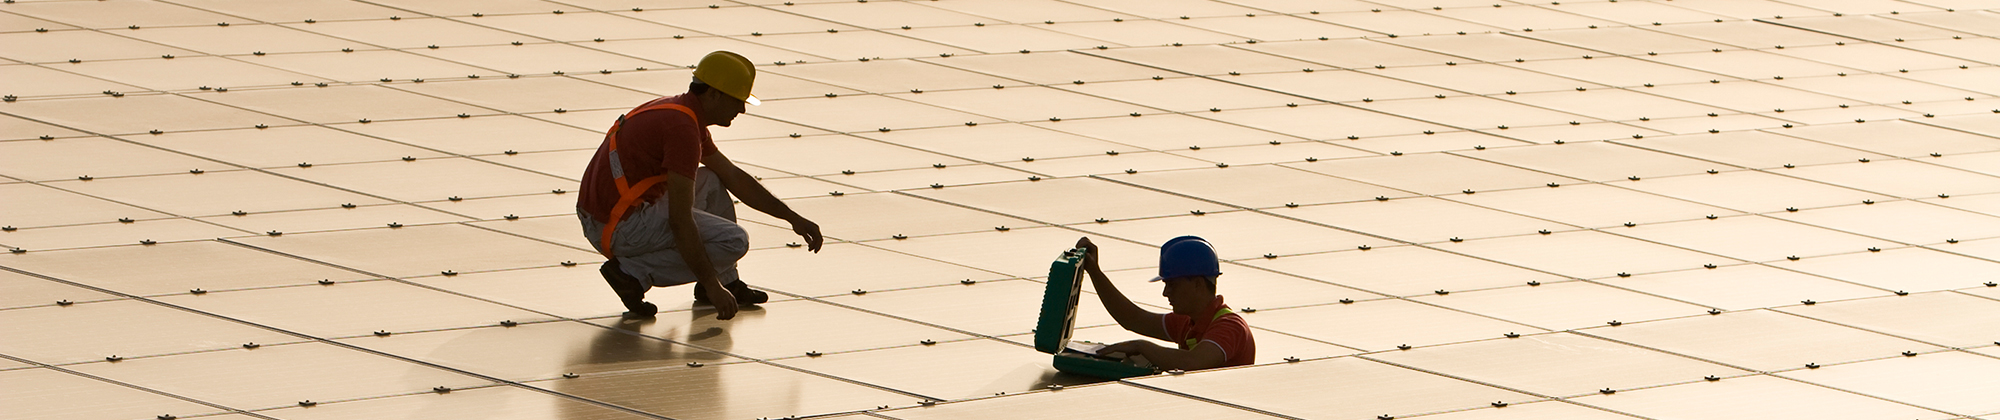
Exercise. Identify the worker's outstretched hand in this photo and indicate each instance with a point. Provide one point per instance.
(808, 230)
(1089, 253)
(725, 303)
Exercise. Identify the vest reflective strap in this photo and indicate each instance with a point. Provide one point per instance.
(628, 194)
(1218, 315)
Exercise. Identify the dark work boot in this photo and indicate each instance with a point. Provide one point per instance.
(744, 294)
(631, 291)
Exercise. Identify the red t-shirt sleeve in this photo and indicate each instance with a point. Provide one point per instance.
(1234, 338)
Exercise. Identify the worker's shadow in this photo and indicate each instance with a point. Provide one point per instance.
(641, 369)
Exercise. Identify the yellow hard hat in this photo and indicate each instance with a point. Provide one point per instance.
(730, 73)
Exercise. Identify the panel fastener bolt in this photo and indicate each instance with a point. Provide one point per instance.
(1311, 159)
(1270, 256)
(85, 178)
(811, 353)
(325, 282)
(1902, 293)
(1624, 274)
(247, 346)
(1951, 241)
(393, 225)
(382, 333)
(307, 403)
(1442, 292)
(448, 273)
(1812, 366)
(1346, 300)
(1471, 192)
(1708, 266)
(1402, 347)
(63, 302)
(274, 233)
(968, 282)
(937, 185)
(1630, 224)
(1607, 391)
(928, 342)
(1543, 231)
(1809, 302)
(1131, 171)
(1711, 217)
(1457, 239)
(1867, 201)
(1291, 359)
(305, 165)
(147, 242)
(1714, 311)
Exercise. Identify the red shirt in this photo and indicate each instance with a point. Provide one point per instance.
(652, 143)
(1228, 331)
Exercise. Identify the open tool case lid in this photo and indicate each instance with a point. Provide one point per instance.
(1058, 319)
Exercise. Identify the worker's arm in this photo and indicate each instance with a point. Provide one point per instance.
(687, 243)
(1206, 355)
(1128, 314)
(753, 194)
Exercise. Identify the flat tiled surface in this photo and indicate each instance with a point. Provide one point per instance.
(385, 189)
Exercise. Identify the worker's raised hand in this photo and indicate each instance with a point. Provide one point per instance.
(808, 230)
(725, 303)
(1089, 253)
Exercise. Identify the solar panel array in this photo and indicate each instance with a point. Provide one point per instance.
(1436, 209)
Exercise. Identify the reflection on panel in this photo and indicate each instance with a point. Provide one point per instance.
(1301, 389)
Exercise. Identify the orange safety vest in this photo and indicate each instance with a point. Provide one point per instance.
(628, 193)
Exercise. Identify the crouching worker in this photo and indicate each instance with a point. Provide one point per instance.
(655, 198)
(1205, 333)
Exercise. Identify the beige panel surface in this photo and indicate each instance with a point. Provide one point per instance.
(1435, 219)
(121, 328)
(999, 308)
(1402, 270)
(1238, 235)
(500, 403)
(48, 394)
(1753, 397)
(1943, 381)
(1003, 368)
(1538, 410)
(336, 374)
(1582, 305)
(1760, 340)
(1301, 389)
(1583, 254)
(1971, 323)
(1752, 191)
(540, 350)
(1590, 205)
(1112, 399)
(1053, 200)
(26, 291)
(1754, 149)
(339, 310)
(421, 250)
(177, 268)
(1753, 238)
(1744, 286)
(843, 268)
(1558, 364)
(36, 205)
(108, 234)
(787, 329)
(727, 391)
(1378, 325)
(1433, 173)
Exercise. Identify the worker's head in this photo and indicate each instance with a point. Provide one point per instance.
(722, 80)
(1188, 269)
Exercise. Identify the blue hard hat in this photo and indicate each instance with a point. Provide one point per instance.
(1187, 256)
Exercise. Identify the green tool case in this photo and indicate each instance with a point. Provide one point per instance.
(1058, 320)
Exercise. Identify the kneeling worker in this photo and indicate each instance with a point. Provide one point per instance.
(655, 198)
(1206, 333)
